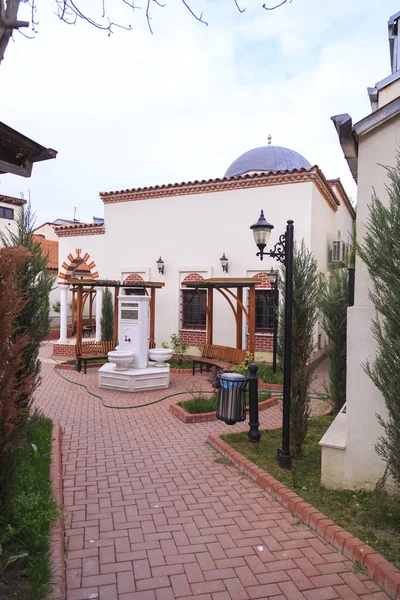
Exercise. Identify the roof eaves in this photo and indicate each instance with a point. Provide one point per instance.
(205, 182)
(377, 118)
(348, 141)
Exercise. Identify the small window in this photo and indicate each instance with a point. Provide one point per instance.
(193, 309)
(266, 300)
(6, 213)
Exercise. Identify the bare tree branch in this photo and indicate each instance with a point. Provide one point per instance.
(69, 11)
(276, 6)
(241, 10)
(200, 18)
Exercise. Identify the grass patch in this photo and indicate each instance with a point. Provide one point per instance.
(89, 361)
(174, 364)
(25, 569)
(374, 519)
(200, 405)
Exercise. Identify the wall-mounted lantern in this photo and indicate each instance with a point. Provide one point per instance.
(160, 265)
(224, 263)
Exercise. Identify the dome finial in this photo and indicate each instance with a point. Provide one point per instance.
(269, 138)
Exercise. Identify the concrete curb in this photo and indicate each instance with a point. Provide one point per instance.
(381, 571)
(186, 417)
(57, 532)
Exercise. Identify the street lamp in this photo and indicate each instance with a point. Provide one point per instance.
(283, 252)
(273, 280)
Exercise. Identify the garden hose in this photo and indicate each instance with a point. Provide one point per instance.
(317, 396)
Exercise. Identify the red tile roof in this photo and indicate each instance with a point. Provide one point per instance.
(50, 248)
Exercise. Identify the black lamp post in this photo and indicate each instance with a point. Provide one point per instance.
(273, 280)
(283, 252)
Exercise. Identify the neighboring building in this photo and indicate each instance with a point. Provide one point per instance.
(349, 457)
(9, 208)
(190, 225)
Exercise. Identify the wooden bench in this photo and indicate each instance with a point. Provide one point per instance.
(88, 350)
(219, 356)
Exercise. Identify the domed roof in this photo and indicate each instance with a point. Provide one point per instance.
(267, 158)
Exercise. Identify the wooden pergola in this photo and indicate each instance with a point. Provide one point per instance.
(85, 289)
(235, 300)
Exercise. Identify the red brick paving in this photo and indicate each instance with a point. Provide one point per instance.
(153, 514)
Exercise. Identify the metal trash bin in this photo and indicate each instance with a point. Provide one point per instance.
(231, 401)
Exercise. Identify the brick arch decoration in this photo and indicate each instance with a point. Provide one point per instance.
(68, 267)
(133, 277)
(194, 277)
(264, 281)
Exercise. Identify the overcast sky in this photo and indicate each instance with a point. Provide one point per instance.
(136, 109)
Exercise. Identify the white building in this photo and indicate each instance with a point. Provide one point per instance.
(9, 208)
(349, 457)
(190, 225)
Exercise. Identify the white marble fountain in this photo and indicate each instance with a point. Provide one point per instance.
(129, 368)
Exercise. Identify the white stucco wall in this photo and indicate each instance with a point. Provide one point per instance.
(362, 466)
(191, 233)
(9, 223)
(47, 230)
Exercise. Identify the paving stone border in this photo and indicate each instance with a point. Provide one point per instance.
(381, 571)
(186, 417)
(57, 532)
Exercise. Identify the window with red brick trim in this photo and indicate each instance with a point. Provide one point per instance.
(266, 302)
(193, 309)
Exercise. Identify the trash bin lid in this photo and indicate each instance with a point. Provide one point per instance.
(233, 377)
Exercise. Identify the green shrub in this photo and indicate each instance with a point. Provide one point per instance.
(305, 315)
(265, 372)
(107, 316)
(333, 302)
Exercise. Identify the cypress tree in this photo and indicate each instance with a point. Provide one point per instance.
(107, 316)
(36, 283)
(380, 251)
(333, 302)
(305, 314)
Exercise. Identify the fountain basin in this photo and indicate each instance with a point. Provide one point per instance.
(121, 359)
(160, 355)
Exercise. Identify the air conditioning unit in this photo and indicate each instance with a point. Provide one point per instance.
(338, 252)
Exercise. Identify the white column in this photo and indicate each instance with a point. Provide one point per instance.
(99, 297)
(63, 312)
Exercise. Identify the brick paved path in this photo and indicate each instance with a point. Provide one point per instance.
(153, 513)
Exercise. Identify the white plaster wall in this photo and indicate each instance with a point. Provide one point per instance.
(326, 224)
(191, 233)
(48, 231)
(6, 223)
(94, 245)
(362, 466)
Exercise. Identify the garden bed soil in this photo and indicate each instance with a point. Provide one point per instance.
(186, 417)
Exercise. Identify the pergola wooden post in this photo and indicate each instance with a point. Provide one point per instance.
(152, 317)
(239, 318)
(210, 308)
(252, 320)
(79, 310)
(73, 327)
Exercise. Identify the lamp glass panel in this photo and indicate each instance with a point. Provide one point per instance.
(262, 235)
